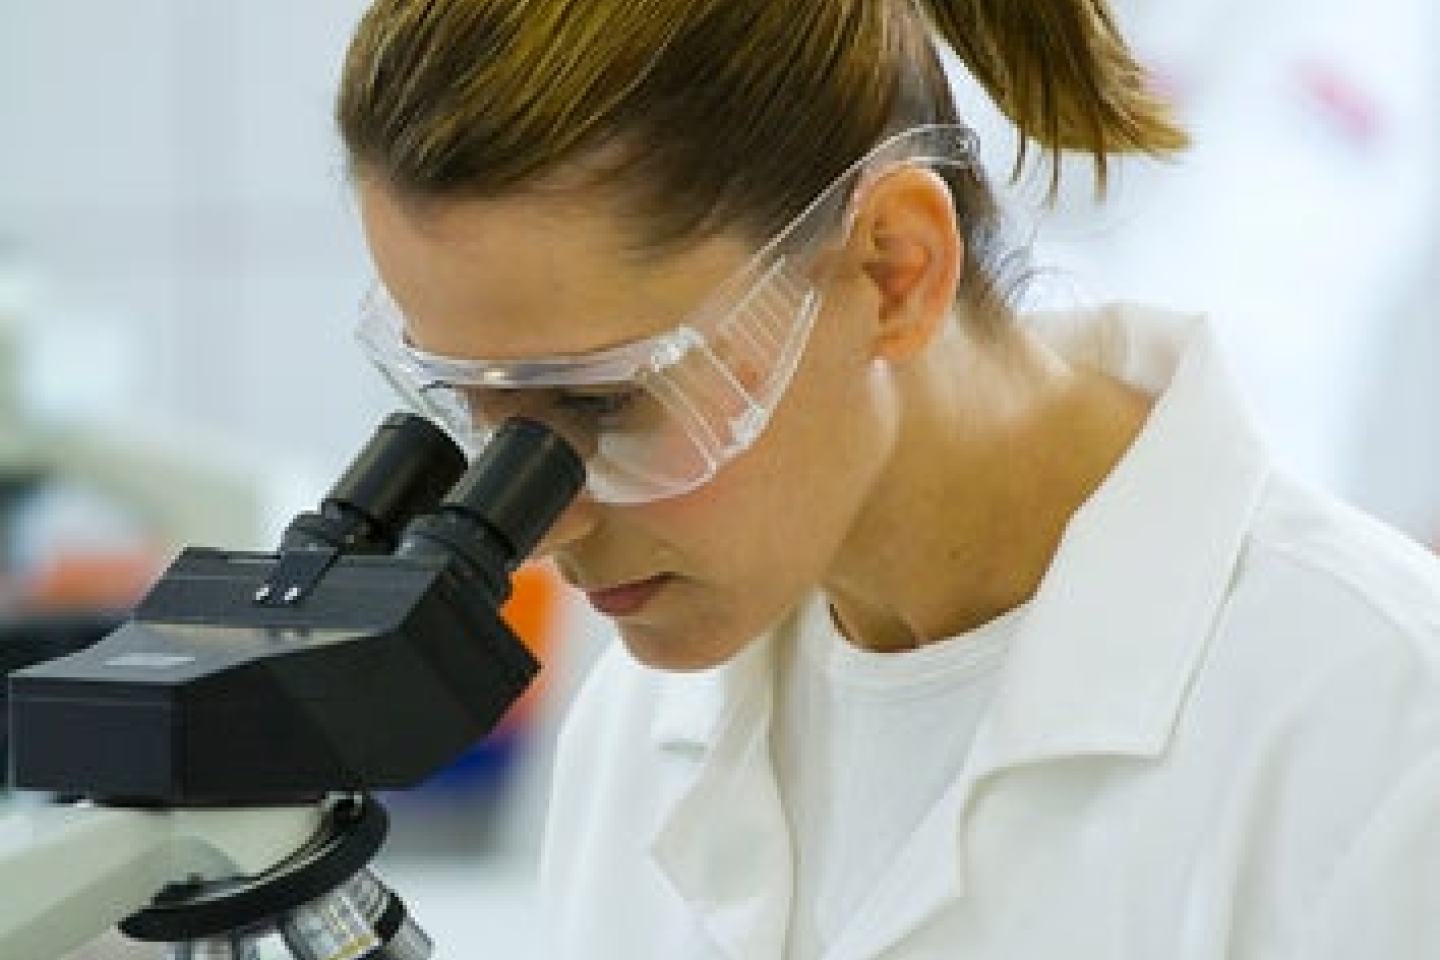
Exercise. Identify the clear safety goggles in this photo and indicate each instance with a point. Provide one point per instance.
(658, 417)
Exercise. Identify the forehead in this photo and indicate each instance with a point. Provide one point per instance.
(530, 275)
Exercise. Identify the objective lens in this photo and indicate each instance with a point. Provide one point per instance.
(360, 921)
(226, 949)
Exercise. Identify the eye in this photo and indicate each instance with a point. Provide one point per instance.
(607, 404)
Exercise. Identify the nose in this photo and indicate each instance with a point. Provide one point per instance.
(575, 523)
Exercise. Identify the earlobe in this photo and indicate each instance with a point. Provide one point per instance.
(911, 254)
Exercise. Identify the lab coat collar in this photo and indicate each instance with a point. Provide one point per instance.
(1118, 625)
(1100, 664)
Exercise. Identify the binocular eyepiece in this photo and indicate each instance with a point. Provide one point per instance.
(409, 492)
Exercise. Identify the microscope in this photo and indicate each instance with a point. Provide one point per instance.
(217, 752)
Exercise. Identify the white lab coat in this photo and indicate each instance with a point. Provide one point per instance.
(1217, 735)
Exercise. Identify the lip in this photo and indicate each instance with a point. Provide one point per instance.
(626, 598)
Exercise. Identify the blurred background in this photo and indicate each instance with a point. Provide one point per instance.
(180, 266)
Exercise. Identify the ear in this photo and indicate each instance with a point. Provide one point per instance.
(908, 246)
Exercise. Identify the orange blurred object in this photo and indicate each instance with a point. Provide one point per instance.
(86, 580)
(533, 613)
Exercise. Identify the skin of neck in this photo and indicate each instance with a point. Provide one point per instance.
(998, 442)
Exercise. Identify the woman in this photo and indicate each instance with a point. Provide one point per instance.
(945, 632)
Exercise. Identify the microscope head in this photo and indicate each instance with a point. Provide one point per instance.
(366, 654)
(253, 689)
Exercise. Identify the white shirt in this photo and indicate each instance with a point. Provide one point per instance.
(865, 744)
(1216, 735)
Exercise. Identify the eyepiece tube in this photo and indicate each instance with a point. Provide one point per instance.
(403, 471)
(520, 484)
(495, 516)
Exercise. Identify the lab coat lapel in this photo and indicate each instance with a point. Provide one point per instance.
(923, 879)
(725, 843)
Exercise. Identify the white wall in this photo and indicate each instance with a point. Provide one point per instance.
(169, 168)
(1305, 221)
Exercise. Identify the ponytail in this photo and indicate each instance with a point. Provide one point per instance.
(1060, 70)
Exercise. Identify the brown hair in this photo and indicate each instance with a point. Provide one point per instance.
(715, 115)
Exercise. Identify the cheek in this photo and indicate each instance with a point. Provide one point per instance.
(755, 540)
(786, 502)
(779, 511)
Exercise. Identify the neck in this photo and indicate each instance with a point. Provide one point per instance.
(999, 444)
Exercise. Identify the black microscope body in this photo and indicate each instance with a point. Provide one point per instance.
(366, 653)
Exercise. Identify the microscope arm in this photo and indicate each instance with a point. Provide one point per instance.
(69, 873)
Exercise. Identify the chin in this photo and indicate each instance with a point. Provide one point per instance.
(667, 650)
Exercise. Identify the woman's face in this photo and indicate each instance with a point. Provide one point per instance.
(532, 276)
